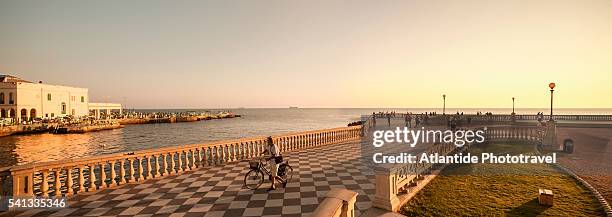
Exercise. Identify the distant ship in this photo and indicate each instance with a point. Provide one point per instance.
(293, 107)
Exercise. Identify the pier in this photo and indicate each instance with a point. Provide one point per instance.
(207, 179)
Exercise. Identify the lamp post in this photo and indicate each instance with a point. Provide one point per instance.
(444, 104)
(552, 87)
(512, 105)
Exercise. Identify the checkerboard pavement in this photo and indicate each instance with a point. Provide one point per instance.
(219, 191)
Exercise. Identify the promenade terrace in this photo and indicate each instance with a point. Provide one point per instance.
(207, 179)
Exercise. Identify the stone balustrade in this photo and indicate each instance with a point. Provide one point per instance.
(337, 203)
(396, 184)
(89, 174)
(508, 117)
(515, 134)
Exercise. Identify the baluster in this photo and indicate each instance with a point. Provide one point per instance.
(219, 154)
(247, 150)
(205, 157)
(140, 168)
(238, 148)
(172, 172)
(155, 166)
(92, 177)
(236, 151)
(113, 174)
(291, 142)
(69, 183)
(102, 175)
(225, 155)
(131, 168)
(186, 160)
(148, 163)
(81, 179)
(164, 164)
(58, 183)
(243, 147)
(44, 189)
(230, 152)
(193, 159)
(179, 163)
(286, 144)
(122, 178)
(198, 157)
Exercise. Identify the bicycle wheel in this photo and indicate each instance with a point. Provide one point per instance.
(253, 179)
(288, 173)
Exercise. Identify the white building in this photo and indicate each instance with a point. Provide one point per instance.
(25, 100)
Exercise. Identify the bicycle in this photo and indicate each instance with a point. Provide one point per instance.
(255, 177)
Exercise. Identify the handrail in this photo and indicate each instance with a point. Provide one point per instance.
(337, 203)
(88, 174)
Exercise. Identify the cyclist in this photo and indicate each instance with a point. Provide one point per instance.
(274, 159)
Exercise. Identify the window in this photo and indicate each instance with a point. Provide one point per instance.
(63, 108)
(1, 98)
(11, 100)
(52, 114)
(82, 99)
(48, 97)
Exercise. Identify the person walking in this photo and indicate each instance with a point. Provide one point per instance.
(274, 158)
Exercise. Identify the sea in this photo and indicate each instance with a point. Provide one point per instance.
(23, 149)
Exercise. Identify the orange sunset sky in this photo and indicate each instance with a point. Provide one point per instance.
(220, 54)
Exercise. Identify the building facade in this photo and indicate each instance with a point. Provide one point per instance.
(23, 100)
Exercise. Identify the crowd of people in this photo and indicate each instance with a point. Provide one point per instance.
(452, 120)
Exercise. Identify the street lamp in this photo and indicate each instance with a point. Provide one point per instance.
(444, 105)
(552, 87)
(512, 105)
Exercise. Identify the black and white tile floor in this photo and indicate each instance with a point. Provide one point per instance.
(219, 191)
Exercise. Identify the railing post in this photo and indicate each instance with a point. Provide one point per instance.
(386, 190)
(22, 183)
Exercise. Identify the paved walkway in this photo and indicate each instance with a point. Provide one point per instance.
(218, 190)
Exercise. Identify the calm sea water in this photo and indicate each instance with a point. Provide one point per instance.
(254, 122)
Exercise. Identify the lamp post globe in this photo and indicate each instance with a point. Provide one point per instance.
(552, 89)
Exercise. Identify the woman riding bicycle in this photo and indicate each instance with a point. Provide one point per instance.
(274, 159)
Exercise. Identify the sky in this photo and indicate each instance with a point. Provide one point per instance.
(232, 53)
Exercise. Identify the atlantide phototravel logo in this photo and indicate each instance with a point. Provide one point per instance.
(443, 148)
